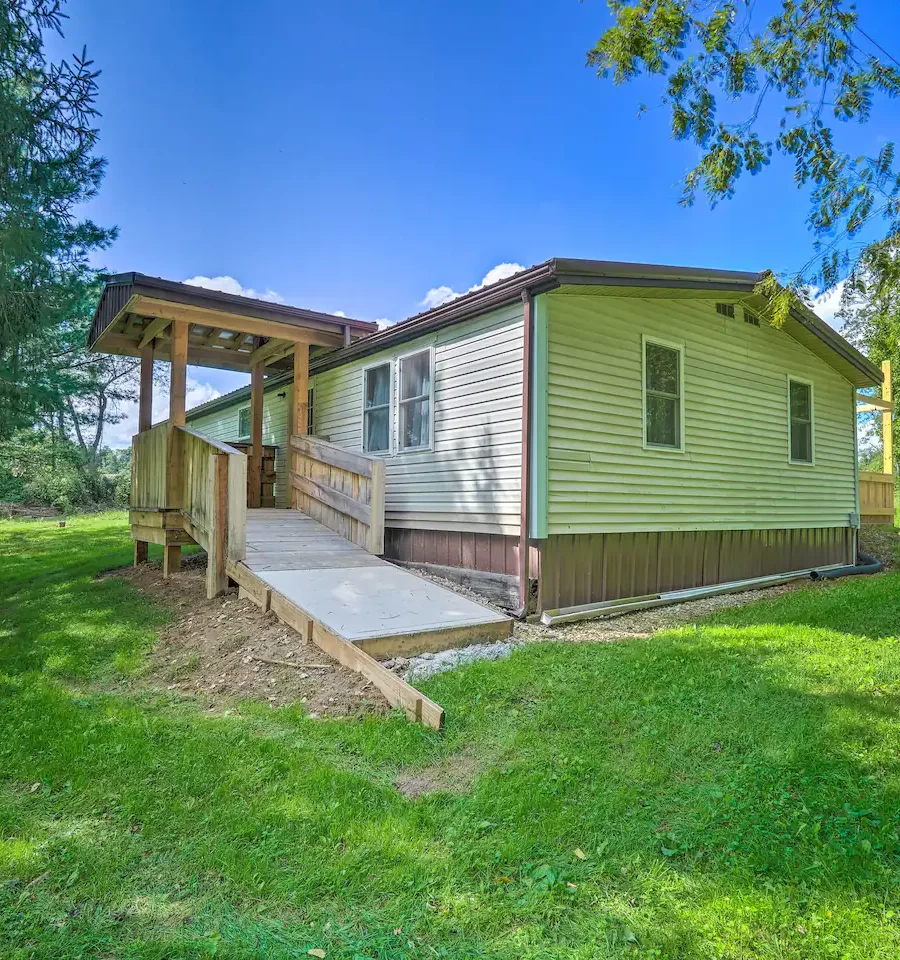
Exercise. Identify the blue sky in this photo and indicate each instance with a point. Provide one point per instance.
(352, 156)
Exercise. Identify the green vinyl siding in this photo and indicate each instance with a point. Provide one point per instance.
(469, 478)
(223, 425)
(735, 470)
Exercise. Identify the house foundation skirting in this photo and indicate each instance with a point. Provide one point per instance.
(572, 569)
(486, 563)
(592, 567)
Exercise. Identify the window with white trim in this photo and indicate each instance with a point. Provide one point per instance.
(414, 401)
(377, 408)
(310, 412)
(800, 402)
(244, 423)
(662, 395)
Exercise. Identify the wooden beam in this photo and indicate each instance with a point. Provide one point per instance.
(300, 396)
(256, 436)
(140, 551)
(257, 589)
(342, 502)
(396, 691)
(171, 559)
(333, 455)
(268, 349)
(178, 375)
(887, 421)
(153, 329)
(256, 326)
(216, 575)
(145, 401)
(873, 403)
(299, 410)
(220, 358)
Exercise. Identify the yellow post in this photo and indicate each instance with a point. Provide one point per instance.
(887, 420)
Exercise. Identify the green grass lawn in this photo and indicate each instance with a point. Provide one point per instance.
(730, 790)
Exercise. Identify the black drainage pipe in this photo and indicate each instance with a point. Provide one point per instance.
(864, 564)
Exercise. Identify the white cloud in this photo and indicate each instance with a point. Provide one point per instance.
(384, 323)
(339, 313)
(438, 295)
(119, 434)
(444, 294)
(230, 285)
(826, 305)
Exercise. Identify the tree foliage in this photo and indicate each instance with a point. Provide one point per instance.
(744, 89)
(48, 168)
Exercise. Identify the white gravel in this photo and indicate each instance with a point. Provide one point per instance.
(428, 664)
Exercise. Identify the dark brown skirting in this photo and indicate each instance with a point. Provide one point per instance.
(488, 552)
(590, 567)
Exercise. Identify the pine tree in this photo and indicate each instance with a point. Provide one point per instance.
(48, 168)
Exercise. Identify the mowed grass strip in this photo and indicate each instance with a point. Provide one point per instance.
(726, 790)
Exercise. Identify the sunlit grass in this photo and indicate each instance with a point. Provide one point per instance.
(730, 790)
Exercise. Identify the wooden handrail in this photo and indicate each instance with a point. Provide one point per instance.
(340, 488)
(214, 502)
(216, 444)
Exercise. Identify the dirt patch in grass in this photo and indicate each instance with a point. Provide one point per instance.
(453, 774)
(883, 543)
(221, 650)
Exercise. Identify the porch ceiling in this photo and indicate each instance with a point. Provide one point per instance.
(225, 331)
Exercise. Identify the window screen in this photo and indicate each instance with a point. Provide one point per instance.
(243, 423)
(662, 371)
(801, 422)
(415, 401)
(377, 409)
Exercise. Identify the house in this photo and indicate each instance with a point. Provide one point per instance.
(667, 435)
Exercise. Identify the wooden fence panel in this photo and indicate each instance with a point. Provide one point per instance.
(876, 498)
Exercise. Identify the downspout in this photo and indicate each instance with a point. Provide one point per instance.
(528, 323)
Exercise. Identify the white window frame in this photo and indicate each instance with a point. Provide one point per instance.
(671, 345)
(812, 421)
(399, 360)
(244, 436)
(389, 363)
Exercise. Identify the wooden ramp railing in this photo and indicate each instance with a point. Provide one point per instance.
(185, 483)
(341, 489)
(214, 502)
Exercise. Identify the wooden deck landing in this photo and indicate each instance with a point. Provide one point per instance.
(359, 597)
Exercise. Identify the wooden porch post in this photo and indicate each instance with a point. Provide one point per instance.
(256, 435)
(145, 421)
(299, 406)
(174, 466)
(887, 421)
(145, 403)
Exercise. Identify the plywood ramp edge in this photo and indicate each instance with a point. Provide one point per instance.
(396, 691)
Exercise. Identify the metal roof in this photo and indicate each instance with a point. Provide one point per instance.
(121, 287)
(607, 273)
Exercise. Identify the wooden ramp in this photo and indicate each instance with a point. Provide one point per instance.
(354, 605)
(360, 597)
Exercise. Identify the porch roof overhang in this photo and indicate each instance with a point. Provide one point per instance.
(224, 330)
